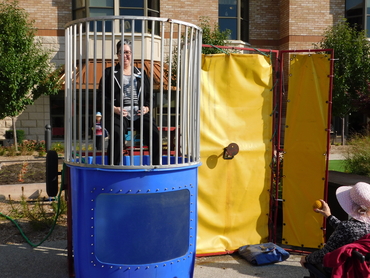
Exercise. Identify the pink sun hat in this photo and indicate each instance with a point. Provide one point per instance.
(355, 200)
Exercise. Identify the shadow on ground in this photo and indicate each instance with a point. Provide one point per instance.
(233, 266)
(50, 260)
(23, 261)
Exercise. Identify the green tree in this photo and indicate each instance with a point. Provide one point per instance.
(26, 72)
(213, 36)
(351, 68)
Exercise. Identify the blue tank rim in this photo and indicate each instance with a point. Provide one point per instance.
(188, 167)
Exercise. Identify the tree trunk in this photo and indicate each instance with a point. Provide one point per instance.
(15, 134)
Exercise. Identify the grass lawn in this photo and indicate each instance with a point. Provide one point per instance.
(336, 165)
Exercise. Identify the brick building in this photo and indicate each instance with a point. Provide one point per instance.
(281, 25)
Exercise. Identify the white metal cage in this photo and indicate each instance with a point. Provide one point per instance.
(167, 54)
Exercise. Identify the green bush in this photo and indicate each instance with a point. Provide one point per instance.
(58, 147)
(358, 156)
(20, 135)
(40, 213)
(33, 145)
(2, 150)
(26, 147)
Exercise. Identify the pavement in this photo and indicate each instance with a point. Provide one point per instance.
(336, 156)
(50, 259)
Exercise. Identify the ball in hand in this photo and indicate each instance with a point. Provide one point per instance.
(317, 205)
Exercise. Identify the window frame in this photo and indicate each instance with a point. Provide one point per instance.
(147, 8)
(361, 18)
(242, 21)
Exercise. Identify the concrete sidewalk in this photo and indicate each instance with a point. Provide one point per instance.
(50, 261)
(233, 266)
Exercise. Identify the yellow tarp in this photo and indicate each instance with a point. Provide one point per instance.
(236, 104)
(305, 148)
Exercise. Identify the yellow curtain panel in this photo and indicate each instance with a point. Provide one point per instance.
(305, 147)
(236, 107)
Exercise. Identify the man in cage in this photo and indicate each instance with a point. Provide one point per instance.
(136, 85)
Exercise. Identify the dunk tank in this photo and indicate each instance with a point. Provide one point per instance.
(135, 218)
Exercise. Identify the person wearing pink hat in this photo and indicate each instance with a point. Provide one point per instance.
(355, 201)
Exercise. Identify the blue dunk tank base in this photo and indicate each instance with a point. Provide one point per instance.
(134, 223)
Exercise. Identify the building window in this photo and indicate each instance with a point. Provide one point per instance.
(355, 13)
(367, 18)
(233, 15)
(82, 9)
(358, 14)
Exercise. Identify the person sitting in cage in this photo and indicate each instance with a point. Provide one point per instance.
(355, 201)
(133, 90)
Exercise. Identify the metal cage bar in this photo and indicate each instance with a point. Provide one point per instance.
(166, 62)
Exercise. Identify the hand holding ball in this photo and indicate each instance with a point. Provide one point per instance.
(320, 206)
(317, 205)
